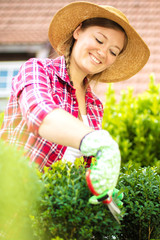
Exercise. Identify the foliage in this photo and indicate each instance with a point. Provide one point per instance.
(20, 189)
(142, 204)
(134, 124)
(64, 210)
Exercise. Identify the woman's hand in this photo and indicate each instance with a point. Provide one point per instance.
(105, 172)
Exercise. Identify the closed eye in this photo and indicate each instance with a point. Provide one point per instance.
(100, 42)
(113, 53)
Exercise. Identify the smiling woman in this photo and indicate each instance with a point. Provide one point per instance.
(107, 38)
(95, 49)
(52, 112)
(106, 23)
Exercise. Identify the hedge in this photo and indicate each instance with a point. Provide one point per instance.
(64, 210)
(134, 122)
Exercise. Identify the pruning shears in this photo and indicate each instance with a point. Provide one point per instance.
(104, 197)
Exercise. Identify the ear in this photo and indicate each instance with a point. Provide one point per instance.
(77, 31)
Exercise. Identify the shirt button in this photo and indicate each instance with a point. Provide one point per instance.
(74, 102)
(59, 157)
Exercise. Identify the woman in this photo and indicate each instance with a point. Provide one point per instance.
(52, 112)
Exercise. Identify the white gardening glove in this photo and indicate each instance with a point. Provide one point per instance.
(104, 174)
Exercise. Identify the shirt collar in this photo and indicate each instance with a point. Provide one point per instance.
(61, 71)
(59, 65)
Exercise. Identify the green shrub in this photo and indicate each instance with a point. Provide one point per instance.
(65, 214)
(134, 124)
(142, 204)
(20, 189)
(64, 210)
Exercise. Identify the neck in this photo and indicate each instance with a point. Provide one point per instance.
(76, 75)
(76, 78)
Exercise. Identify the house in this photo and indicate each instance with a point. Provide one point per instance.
(24, 34)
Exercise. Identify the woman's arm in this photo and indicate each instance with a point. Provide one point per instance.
(62, 128)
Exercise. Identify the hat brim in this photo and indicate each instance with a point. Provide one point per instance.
(68, 18)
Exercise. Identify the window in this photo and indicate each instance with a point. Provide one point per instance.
(3, 77)
(7, 71)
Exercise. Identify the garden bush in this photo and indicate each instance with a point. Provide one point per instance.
(134, 122)
(141, 203)
(64, 210)
(65, 214)
(20, 189)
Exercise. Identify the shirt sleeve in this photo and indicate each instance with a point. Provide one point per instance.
(32, 89)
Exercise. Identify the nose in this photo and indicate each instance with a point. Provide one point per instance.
(102, 52)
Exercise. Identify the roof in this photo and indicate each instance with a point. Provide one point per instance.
(26, 22)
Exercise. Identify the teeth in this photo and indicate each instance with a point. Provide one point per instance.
(95, 59)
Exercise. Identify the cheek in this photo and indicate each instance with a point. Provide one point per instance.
(111, 59)
(88, 44)
(80, 47)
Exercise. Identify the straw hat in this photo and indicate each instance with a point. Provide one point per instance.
(68, 18)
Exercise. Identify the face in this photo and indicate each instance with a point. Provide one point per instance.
(96, 48)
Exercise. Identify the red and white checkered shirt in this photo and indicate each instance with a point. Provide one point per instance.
(41, 86)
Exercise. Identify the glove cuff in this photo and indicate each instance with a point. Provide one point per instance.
(96, 140)
(82, 140)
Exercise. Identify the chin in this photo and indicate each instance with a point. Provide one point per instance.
(92, 72)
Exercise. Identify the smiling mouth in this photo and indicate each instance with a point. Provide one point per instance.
(95, 59)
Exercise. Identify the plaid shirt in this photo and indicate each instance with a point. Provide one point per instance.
(41, 86)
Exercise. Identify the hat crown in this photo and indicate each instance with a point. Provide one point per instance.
(115, 11)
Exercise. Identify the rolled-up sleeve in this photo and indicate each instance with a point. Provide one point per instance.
(32, 88)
